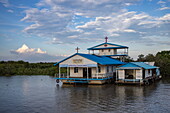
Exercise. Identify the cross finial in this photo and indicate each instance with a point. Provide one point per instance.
(106, 39)
(77, 49)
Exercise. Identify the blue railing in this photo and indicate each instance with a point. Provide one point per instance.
(130, 80)
(83, 79)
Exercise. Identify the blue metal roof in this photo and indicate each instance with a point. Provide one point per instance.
(118, 46)
(139, 64)
(116, 55)
(103, 60)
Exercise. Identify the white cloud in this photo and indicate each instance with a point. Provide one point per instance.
(72, 36)
(165, 17)
(90, 8)
(129, 30)
(103, 18)
(26, 49)
(32, 55)
(10, 11)
(5, 3)
(161, 2)
(164, 8)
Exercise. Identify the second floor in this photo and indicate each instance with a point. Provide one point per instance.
(109, 49)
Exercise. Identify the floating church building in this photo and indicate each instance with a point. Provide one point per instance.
(104, 63)
(97, 67)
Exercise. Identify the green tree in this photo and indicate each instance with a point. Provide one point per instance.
(162, 60)
(149, 58)
(141, 58)
(128, 59)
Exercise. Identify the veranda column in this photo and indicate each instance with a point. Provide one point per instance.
(59, 72)
(97, 72)
(87, 73)
(116, 74)
(67, 72)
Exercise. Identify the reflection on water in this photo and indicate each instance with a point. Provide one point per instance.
(25, 94)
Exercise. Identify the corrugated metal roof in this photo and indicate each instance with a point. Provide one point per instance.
(103, 60)
(138, 65)
(144, 65)
(118, 46)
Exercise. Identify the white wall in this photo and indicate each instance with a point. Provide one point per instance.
(121, 74)
(108, 45)
(147, 74)
(139, 74)
(106, 52)
(103, 69)
(84, 61)
(79, 74)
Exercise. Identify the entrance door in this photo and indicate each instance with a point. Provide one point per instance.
(85, 72)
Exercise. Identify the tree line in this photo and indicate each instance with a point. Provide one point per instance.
(8, 68)
(161, 59)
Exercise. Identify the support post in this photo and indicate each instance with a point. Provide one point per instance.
(97, 72)
(87, 73)
(59, 72)
(67, 72)
(116, 74)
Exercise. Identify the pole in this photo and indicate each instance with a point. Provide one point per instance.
(67, 72)
(87, 73)
(116, 74)
(97, 71)
(59, 72)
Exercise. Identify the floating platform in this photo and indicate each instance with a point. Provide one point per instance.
(145, 81)
(85, 80)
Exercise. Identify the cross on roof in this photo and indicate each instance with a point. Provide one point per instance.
(77, 49)
(106, 39)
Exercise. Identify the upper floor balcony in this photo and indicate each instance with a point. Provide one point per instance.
(112, 53)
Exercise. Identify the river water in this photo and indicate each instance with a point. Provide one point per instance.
(39, 94)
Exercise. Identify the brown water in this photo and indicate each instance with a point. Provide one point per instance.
(39, 94)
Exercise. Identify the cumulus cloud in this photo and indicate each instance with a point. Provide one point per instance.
(26, 49)
(33, 55)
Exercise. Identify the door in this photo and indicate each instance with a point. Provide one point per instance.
(85, 72)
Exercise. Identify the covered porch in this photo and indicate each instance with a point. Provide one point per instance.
(129, 75)
(84, 71)
(90, 73)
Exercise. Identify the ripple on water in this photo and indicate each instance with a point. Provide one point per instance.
(39, 94)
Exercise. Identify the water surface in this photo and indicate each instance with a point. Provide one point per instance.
(39, 94)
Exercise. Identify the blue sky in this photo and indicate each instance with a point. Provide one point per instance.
(52, 29)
